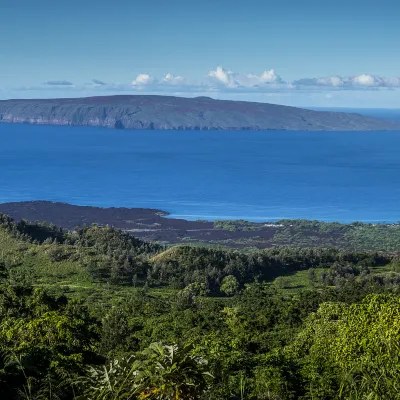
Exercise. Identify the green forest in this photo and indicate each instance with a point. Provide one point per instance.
(98, 314)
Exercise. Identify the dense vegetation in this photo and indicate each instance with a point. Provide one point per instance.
(98, 314)
(306, 233)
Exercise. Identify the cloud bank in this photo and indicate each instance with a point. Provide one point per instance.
(225, 81)
(268, 81)
(58, 83)
(359, 81)
(233, 80)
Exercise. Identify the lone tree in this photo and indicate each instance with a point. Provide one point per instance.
(230, 285)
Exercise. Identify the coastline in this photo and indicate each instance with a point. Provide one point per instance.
(155, 225)
(180, 113)
(147, 224)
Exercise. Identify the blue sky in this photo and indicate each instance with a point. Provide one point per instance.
(305, 53)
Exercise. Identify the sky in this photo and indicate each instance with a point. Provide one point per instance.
(303, 53)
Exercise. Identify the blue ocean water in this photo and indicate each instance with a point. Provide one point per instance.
(258, 176)
(384, 113)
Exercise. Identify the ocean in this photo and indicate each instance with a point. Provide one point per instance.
(257, 176)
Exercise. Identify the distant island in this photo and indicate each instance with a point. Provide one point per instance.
(178, 113)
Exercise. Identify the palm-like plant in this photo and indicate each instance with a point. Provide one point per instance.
(114, 381)
(172, 372)
(164, 373)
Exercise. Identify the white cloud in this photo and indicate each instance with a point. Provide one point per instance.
(234, 80)
(142, 80)
(374, 81)
(363, 81)
(224, 76)
(224, 82)
(171, 79)
(145, 81)
(366, 80)
(335, 81)
(329, 81)
(267, 77)
(393, 82)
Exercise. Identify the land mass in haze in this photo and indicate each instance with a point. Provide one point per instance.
(178, 113)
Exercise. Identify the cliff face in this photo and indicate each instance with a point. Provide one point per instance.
(164, 112)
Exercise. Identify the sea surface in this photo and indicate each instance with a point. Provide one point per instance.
(384, 113)
(258, 176)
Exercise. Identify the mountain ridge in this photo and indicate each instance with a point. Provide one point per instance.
(179, 113)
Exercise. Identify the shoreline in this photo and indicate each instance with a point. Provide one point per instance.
(145, 223)
(157, 112)
(154, 225)
(149, 224)
(39, 210)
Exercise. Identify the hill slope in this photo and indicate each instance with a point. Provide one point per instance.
(165, 112)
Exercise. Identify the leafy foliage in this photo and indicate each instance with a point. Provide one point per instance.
(162, 372)
(99, 314)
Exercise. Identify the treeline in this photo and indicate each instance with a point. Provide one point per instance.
(182, 265)
(357, 235)
(37, 232)
(119, 258)
(309, 233)
(106, 253)
(105, 239)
